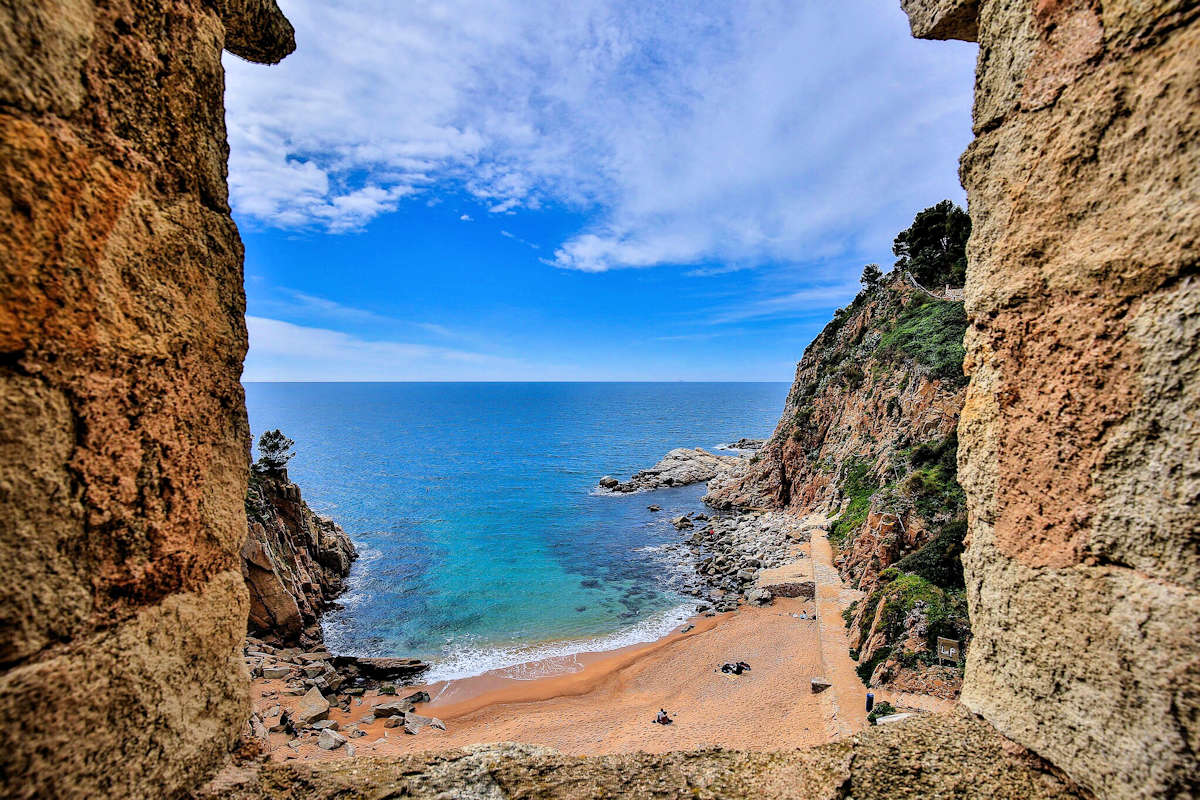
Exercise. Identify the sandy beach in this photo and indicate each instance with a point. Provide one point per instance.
(598, 703)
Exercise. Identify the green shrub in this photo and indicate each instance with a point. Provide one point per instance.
(930, 332)
(867, 668)
(939, 561)
(882, 709)
(859, 484)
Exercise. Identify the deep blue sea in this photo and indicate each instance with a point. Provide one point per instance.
(483, 543)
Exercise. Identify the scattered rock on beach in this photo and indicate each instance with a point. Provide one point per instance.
(413, 723)
(312, 707)
(682, 523)
(819, 685)
(759, 597)
(330, 740)
(384, 669)
(395, 708)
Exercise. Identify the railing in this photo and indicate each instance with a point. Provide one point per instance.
(949, 293)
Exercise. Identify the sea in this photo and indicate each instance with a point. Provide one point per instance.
(484, 543)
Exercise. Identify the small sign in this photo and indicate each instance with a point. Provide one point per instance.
(948, 649)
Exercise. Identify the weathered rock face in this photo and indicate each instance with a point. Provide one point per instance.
(1080, 433)
(858, 397)
(294, 562)
(123, 431)
(867, 435)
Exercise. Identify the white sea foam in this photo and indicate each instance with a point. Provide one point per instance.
(554, 658)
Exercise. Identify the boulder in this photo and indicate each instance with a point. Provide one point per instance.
(395, 708)
(312, 707)
(819, 685)
(330, 740)
(759, 597)
(413, 723)
(276, 672)
(609, 482)
(682, 523)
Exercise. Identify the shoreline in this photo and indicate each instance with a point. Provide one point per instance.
(605, 703)
(458, 697)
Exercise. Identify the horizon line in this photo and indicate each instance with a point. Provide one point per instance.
(547, 380)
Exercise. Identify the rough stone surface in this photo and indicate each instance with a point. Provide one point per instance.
(931, 756)
(1079, 436)
(943, 19)
(123, 436)
(294, 561)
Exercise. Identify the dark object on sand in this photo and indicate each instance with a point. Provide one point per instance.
(735, 668)
(870, 701)
(662, 718)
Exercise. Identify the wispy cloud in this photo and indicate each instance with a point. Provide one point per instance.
(690, 133)
(466, 218)
(790, 304)
(281, 351)
(516, 238)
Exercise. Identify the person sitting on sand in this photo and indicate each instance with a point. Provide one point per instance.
(662, 718)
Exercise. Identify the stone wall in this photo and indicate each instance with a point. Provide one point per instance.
(123, 436)
(1080, 436)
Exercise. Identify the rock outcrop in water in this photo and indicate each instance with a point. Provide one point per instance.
(682, 466)
(123, 420)
(294, 561)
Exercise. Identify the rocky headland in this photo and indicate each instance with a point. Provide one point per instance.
(868, 439)
(864, 454)
(295, 562)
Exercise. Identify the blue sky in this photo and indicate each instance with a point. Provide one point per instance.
(587, 190)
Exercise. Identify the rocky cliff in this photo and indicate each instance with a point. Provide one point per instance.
(1079, 434)
(294, 561)
(123, 430)
(868, 436)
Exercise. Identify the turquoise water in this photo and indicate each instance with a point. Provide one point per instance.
(483, 543)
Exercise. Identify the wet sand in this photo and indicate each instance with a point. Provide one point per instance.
(600, 703)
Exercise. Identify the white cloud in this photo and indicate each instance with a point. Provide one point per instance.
(701, 132)
(282, 351)
(466, 218)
